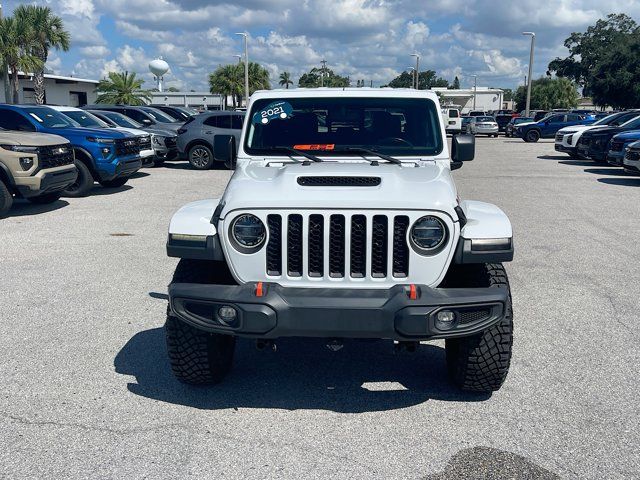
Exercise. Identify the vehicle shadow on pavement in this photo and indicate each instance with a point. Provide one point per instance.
(100, 190)
(613, 171)
(365, 376)
(139, 174)
(23, 208)
(626, 182)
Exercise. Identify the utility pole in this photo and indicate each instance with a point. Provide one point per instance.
(246, 67)
(417, 55)
(533, 41)
(475, 90)
(4, 77)
(322, 71)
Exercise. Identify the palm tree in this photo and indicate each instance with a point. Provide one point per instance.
(48, 32)
(228, 80)
(285, 80)
(16, 45)
(122, 88)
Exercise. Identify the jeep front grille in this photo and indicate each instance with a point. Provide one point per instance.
(55, 156)
(334, 181)
(338, 245)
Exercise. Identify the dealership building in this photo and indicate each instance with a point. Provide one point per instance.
(486, 99)
(59, 90)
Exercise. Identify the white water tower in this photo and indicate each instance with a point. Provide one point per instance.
(158, 67)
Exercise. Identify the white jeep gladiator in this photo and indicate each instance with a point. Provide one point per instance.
(341, 220)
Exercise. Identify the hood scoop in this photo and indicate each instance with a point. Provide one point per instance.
(339, 181)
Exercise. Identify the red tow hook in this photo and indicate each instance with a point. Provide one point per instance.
(413, 292)
(259, 289)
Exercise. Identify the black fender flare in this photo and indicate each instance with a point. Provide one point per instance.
(6, 173)
(87, 159)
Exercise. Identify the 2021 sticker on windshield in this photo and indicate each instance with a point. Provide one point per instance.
(274, 111)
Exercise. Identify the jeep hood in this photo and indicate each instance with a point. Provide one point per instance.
(426, 187)
(30, 139)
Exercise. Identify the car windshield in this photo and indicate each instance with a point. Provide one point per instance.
(50, 118)
(121, 120)
(522, 120)
(159, 116)
(86, 119)
(485, 119)
(394, 126)
(633, 123)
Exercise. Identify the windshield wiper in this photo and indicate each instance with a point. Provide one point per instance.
(298, 152)
(383, 156)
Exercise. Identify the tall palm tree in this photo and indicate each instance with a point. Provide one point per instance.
(48, 32)
(16, 47)
(285, 80)
(122, 88)
(228, 80)
(258, 78)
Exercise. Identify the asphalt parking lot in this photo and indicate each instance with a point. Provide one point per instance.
(86, 389)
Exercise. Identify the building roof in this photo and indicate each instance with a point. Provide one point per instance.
(62, 78)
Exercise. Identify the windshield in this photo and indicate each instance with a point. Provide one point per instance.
(394, 126)
(121, 120)
(522, 120)
(633, 123)
(159, 116)
(85, 119)
(49, 118)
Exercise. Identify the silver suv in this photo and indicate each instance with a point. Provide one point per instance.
(195, 137)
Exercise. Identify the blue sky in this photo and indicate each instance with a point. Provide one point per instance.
(364, 39)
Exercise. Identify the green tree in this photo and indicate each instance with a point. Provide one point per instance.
(456, 83)
(616, 79)
(228, 80)
(122, 88)
(548, 93)
(317, 77)
(426, 80)
(16, 45)
(48, 33)
(588, 49)
(285, 80)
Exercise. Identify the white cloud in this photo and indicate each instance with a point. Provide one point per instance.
(95, 51)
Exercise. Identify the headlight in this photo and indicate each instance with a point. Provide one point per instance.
(99, 140)
(20, 148)
(248, 232)
(158, 140)
(428, 234)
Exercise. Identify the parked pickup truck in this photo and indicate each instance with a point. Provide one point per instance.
(34, 166)
(106, 156)
(341, 220)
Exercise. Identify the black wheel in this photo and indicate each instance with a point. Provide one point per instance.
(46, 198)
(532, 136)
(83, 183)
(115, 183)
(201, 157)
(198, 357)
(6, 200)
(480, 362)
(158, 162)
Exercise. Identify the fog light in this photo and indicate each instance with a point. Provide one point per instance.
(26, 163)
(227, 314)
(445, 319)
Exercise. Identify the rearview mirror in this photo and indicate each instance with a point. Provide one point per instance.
(463, 149)
(224, 149)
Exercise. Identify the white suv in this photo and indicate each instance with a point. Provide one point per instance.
(341, 220)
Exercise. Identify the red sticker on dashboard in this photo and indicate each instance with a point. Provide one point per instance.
(315, 147)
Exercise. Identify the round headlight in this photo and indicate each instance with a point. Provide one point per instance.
(428, 234)
(248, 231)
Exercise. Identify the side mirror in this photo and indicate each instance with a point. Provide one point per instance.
(146, 121)
(224, 149)
(463, 149)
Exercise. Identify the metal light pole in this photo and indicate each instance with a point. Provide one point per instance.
(475, 89)
(322, 72)
(246, 67)
(239, 57)
(533, 41)
(417, 55)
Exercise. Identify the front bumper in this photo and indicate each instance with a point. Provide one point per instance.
(631, 166)
(486, 131)
(559, 147)
(615, 157)
(331, 312)
(591, 151)
(46, 181)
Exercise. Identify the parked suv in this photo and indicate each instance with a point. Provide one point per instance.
(513, 123)
(88, 120)
(594, 144)
(196, 137)
(146, 116)
(34, 166)
(106, 156)
(180, 114)
(549, 125)
(162, 141)
(342, 220)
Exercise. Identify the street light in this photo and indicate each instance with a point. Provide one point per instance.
(246, 67)
(475, 89)
(417, 69)
(533, 41)
(239, 57)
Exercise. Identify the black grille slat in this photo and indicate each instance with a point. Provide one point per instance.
(294, 245)
(472, 316)
(358, 246)
(400, 247)
(170, 142)
(617, 146)
(316, 246)
(336, 246)
(145, 143)
(325, 181)
(127, 146)
(274, 247)
(379, 246)
(49, 157)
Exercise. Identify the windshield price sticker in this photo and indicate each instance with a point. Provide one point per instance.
(273, 111)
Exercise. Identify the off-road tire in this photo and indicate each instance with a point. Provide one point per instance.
(532, 136)
(200, 157)
(197, 357)
(115, 183)
(6, 200)
(45, 199)
(480, 362)
(83, 184)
